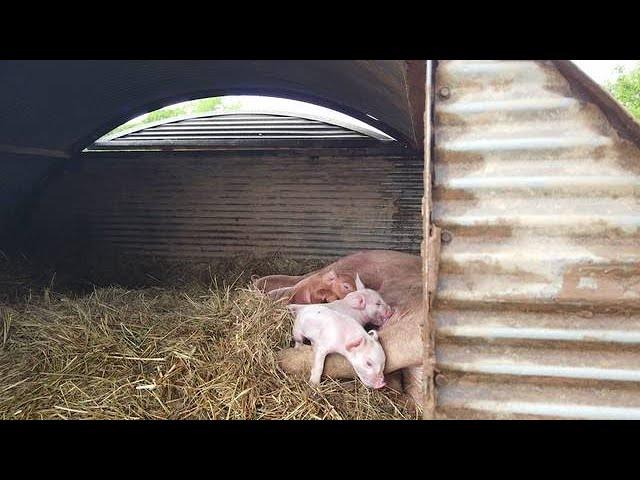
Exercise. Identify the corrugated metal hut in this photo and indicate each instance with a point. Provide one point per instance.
(527, 170)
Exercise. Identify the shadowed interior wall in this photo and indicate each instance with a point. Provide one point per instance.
(206, 205)
(19, 175)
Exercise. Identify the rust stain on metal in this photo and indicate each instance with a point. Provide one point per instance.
(602, 284)
(431, 256)
(431, 272)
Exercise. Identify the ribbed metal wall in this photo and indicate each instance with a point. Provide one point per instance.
(180, 205)
(538, 302)
(19, 175)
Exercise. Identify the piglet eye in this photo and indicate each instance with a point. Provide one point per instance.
(369, 364)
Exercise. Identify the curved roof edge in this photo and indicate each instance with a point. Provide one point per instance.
(65, 105)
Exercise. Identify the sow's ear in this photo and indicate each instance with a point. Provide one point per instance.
(373, 334)
(356, 300)
(353, 344)
(330, 277)
(279, 293)
(359, 284)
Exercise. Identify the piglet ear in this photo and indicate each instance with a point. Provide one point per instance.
(330, 277)
(373, 334)
(359, 284)
(356, 300)
(353, 344)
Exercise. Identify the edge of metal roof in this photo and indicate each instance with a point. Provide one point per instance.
(615, 112)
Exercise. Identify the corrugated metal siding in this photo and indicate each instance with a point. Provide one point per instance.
(538, 303)
(181, 205)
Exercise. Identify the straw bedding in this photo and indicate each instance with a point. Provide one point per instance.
(161, 343)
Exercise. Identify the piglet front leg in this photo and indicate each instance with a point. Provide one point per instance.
(298, 338)
(319, 355)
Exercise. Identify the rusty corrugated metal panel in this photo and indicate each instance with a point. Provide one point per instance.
(538, 303)
(181, 205)
(430, 252)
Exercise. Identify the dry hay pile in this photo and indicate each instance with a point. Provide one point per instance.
(205, 349)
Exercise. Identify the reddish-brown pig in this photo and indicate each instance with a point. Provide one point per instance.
(323, 287)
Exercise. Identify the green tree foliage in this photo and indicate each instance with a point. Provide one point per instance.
(206, 104)
(164, 113)
(626, 89)
(193, 107)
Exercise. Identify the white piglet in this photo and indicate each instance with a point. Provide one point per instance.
(333, 332)
(364, 305)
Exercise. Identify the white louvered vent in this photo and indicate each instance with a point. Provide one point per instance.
(246, 129)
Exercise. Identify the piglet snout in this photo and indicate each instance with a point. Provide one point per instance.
(387, 315)
(380, 383)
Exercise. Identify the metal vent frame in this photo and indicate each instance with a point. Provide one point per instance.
(245, 129)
